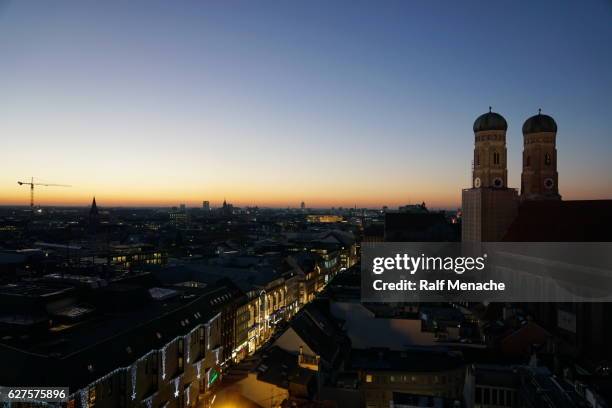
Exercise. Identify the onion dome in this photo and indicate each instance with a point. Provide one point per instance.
(539, 123)
(490, 121)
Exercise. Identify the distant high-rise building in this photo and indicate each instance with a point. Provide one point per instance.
(178, 216)
(539, 180)
(206, 205)
(489, 206)
(303, 205)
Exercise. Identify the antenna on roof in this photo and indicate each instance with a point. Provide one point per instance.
(490, 109)
(539, 111)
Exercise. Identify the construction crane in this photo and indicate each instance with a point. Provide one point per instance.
(31, 183)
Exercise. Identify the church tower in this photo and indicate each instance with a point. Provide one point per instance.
(490, 154)
(94, 217)
(539, 179)
(489, 207)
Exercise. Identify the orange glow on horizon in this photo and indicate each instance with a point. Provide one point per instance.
(270, 200)
(325, 198)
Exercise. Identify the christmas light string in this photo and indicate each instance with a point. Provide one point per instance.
(83, 393)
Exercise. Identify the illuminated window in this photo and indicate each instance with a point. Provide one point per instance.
(92, 396)
(369, 378)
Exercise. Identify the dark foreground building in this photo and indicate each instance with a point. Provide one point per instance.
(116, 345)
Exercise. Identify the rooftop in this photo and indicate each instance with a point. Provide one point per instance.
(415, 359)
(94, 347)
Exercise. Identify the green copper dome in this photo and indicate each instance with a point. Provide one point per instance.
(539, 123)
(490, 121)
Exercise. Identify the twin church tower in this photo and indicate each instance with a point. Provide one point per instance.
(489, 207)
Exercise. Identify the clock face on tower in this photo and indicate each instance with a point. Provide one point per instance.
(498, 182)
(477, 182)
(549, 183)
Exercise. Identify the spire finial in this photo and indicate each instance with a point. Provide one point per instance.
(539, 111)
(490, 109)
(93, 210)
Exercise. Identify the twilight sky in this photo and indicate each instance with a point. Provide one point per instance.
(271, 103)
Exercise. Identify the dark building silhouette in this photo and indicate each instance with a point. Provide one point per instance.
(227, 209)
(492, 212)
(583, 327)
(94, 217)
(419, 227)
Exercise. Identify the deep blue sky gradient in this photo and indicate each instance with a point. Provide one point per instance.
(324, 97)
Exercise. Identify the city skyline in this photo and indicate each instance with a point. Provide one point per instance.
(270, 105)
